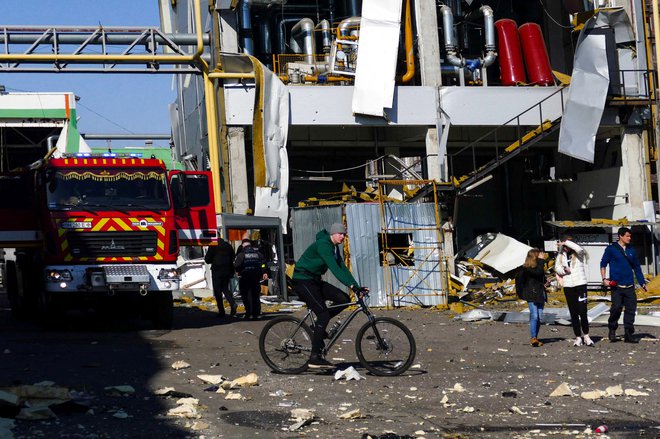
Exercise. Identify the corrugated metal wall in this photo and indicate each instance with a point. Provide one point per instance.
(418, 284)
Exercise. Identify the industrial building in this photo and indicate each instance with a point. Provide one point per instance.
(524, 113)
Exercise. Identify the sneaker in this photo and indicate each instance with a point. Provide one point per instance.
(578, 341)
(588, 341)
(535, 342)
(318, 362)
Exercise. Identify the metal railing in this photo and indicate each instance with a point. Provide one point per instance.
(494, 151)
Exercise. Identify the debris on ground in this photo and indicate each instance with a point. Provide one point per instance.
(186, 408)
(349, 374)
(300, 418)
(178, 365)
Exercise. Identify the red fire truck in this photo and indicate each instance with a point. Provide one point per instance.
(94, 229)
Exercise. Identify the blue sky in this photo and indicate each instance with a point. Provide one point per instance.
(109, 103)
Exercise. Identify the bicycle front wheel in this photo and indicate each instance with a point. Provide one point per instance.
(385, 347)
(285, 344)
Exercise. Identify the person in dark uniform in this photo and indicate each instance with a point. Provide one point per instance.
(221, 258)
(250, 264)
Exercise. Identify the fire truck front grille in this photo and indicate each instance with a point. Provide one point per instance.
(112, 244)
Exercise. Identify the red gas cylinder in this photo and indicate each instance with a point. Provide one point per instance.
(537, 62)
(512, 69)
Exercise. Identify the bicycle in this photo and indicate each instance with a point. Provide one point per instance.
(384, 346)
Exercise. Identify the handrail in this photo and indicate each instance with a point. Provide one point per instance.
(542, 127)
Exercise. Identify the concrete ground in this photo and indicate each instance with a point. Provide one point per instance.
(469, 380)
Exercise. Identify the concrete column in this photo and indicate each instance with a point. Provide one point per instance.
(633, 154)
(238, 169)
(428, 53)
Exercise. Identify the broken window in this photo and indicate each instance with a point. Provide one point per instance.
(399, 249)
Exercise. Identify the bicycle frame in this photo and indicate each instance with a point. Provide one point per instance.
(363, 307)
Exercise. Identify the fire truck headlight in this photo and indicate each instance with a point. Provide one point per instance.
(169, 274)
(59, 276)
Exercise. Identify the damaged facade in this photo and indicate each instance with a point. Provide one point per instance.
(472, 94)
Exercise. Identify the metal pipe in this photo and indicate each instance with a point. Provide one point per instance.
(281, 31)
(489, 25)
(303, 30)
(348, 27)
(118, 58)
(450, 42)
(326, 35)
(264, 27)
(124, 36)
(352, 7)
(245, 30)
(408, 38)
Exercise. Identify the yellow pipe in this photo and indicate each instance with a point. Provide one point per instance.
(212, 127)
(408, 37)
(175, 59)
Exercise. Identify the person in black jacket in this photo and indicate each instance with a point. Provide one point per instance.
(250, 264)
(221, 258)
(534, 291)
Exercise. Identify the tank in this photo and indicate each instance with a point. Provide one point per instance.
(537, 62)
(512, 68)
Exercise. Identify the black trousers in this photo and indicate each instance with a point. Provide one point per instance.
(250, 288)
(623, 298)
(314, 294)
(220, 288)
(576, 299)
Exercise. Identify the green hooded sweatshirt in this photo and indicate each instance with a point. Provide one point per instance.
(320, 256)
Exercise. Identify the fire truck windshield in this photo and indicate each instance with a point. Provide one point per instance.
(103, 189)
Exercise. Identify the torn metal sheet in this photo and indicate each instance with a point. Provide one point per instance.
(640, 320)
(476, 314)
(590, 82)
(496, 250)
(523, 317)
(271, 193)
(380, 27)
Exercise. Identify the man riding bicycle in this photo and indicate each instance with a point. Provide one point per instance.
(320, 256)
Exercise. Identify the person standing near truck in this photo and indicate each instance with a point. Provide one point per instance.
(250, 265)
(221, 258)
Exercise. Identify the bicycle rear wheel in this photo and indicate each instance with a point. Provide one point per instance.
(385, 347)
(285, 344)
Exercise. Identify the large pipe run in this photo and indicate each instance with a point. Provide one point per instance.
(326, 35)
(303, 32)
(348, 27)
(450, 41)
(245, 30)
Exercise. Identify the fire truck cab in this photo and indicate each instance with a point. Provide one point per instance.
(93, 229)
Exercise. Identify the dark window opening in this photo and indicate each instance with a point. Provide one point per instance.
(399, 249)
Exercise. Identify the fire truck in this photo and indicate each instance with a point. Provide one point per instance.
(92, 229)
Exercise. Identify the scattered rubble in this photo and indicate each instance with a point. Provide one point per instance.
(178, 365)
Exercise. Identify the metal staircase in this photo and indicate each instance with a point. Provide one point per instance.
(489, 152)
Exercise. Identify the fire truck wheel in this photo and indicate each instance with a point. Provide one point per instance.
(163, 310)
(12, 289)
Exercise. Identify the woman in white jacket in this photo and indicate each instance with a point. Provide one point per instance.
(571, 270)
